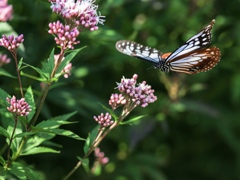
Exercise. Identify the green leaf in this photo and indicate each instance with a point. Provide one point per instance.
(30, 100)
(132, 120)
(33, 77)
(61, 132)
(5, 73)
(48, 65)
(4, 132)
(90, 139)
(85, 163)
(2, 161)
(67, 59)
(45, 76)
(56, 122)
(20, 63)
(24, 134)
(18, 171)
(38, 150)
(110, 111)
(22, 171)
(3, 96)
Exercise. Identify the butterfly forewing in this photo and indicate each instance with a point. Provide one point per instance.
(199, 61)
(137, 50)
(199, 41)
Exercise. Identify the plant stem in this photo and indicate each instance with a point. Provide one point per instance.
(99, 139)
(11, 139)
(14, 54)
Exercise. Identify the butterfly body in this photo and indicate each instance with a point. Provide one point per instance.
(190, 58)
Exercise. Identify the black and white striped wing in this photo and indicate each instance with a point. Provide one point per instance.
(199, 41)
(139, 51)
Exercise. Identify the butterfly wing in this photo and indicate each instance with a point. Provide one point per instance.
(139, 51)
(199, 41)
(199, 61)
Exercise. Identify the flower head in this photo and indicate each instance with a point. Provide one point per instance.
(20, 107)
(11, 43)
(104, 120)
(4, 59)
(5, 11)
(140, 94)
(117, 100)
(65, 36)
(82, 13)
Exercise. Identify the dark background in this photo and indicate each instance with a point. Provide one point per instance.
(191, 132)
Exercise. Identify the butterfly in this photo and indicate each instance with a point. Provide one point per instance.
(192, 57)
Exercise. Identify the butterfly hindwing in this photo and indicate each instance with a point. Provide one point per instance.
(199, 61)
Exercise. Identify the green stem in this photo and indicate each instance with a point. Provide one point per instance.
(14, 54)
(40, 105)
(11, 139)
(100, 137)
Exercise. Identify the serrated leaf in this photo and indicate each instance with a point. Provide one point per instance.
(48, 65)
(68, 59)
(24, 134)
(132, 120)
(18, 171)
(5, 73)
(38, 150)
(91, 137)
(51, 124)
(30, 100)
(61, 132)
(4, 132)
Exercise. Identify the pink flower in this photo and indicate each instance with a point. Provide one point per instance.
(104, 120)
(82, 13)
(11, 43)
(140, 94)
(5, 11)
(117, 100)
(100, 156)
(4, 59)
(65, 36)
(19, 107)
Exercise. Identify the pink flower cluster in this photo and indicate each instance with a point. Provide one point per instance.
(100, 156)
(82, 13)
(117, 100)
(4, 59)
(5, 11)
(66, 36)
(104, 120)
(11, 43)
(20, 107)
(140, 94)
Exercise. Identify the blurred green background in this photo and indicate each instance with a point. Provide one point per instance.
(191, 132)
